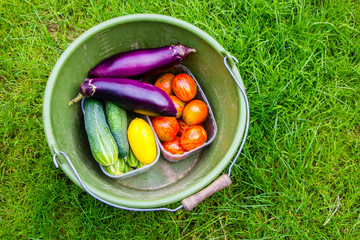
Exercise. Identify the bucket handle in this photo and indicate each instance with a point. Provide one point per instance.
(224, 180)
(192, 201)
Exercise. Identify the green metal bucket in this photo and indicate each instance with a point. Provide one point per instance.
(165, 182)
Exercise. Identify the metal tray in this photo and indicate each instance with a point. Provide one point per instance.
(209, 124)
(133, 172)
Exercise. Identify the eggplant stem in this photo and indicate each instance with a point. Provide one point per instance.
(76, 99)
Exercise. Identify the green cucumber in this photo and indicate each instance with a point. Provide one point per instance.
(131, 159)
(116, 169)
(118, 122)
(102, 143)
(122, 164)
(127, 168)
(140, 164)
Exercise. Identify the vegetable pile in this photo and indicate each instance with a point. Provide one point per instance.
(108, 127)
(120, 140)
(184, 132)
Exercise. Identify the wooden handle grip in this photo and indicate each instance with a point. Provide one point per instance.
(192, 201)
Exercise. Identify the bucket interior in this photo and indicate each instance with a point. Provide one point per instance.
(165, 182)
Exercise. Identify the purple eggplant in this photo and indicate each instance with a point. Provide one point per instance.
(130, 94)
(139, 63)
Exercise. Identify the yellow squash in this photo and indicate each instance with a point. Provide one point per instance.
(142, 140)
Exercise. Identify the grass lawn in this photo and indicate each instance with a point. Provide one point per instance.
(298, 176)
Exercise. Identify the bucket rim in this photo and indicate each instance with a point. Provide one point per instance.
(206, 180)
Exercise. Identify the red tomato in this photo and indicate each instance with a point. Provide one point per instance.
(173, 146)
(184, 87)
(195, 112)
(166, 128)
(164, 82)
(204, 132)
(182, 126)
(180, 105)
(193, 137)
